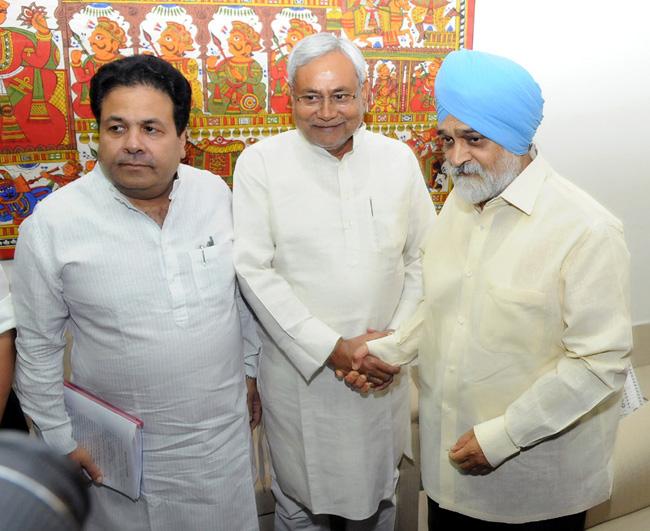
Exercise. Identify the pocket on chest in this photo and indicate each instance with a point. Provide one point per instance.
(213, 272)
(512, 320)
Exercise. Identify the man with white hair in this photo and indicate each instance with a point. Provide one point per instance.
(524, 327)
(328, 223)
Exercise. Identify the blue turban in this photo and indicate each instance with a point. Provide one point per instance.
(493, 95)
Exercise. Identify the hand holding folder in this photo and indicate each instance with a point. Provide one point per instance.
(112, 437)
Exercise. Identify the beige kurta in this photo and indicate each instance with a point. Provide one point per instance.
(523, 334)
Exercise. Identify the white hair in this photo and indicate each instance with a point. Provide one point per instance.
(319, 44)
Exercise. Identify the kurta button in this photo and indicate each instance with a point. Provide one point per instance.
(469, 273)
(461, 320)
(481, 227)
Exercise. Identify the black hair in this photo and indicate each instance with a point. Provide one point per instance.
(148, 71)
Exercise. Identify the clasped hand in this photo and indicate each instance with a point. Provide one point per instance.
(360, 370)
(468, 456)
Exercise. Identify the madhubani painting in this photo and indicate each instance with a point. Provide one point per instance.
(234, 55)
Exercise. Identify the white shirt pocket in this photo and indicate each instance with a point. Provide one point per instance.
(512, 320)
(213, 272)
(389, 226)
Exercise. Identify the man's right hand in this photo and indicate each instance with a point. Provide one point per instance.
(81, 457)
(373, 370)
(356, 377)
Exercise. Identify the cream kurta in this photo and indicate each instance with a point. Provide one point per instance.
(325, 248)
(522, 333)
(157, 331)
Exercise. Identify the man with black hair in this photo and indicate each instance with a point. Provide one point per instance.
(135, 260)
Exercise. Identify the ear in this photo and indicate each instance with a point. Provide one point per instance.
(365, 93)
(182, 140)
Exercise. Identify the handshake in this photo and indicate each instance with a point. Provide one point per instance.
(352, 362)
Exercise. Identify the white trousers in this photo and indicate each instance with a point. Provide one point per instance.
(292, 516)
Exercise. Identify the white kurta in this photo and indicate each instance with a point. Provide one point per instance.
(157, 331)
(325, 248)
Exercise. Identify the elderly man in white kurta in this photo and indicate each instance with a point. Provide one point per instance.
(328, 219)
(135, 260)
(524, 327)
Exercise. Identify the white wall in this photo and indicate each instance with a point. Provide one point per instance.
(592, 60)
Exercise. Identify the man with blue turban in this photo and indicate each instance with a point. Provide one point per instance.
(524, 329)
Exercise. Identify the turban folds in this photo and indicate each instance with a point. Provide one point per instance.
(493, 95)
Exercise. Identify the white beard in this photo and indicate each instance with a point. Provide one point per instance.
(476, 186)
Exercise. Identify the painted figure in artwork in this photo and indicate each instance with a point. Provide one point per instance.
(422, 93)
(399, 12)
(15, 204)
(28, 118)
(432, 16)
(365, 19)
(70, 171)
(106, 41)
(236, 82)
(423, 144)
(175, 40)
(384, 90)
(371, 20)
(279, 78)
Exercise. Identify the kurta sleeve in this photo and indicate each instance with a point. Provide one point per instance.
(252, 343)
(306, 340)
(401, 347)
(41, 315)
(597, 338)
(422, 214)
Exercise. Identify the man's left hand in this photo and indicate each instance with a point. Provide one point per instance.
(469, 457)
(254, 402)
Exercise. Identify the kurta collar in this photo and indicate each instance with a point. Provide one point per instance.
(523, 191)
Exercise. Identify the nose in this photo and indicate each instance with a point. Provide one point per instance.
(133, 141)
(458, 154)
(327, 110)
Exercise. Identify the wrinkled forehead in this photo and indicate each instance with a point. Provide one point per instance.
(335, 63)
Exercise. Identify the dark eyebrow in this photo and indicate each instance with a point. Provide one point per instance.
(465, 131)
(146, 121)
(150, 121)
